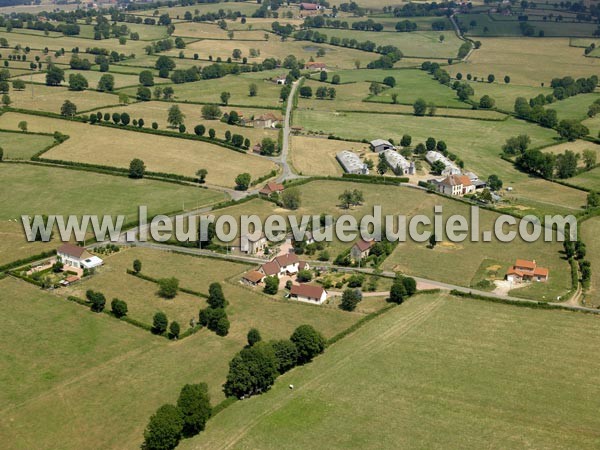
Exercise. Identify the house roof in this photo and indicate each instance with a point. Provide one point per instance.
(270, 268)
(71, 250)
(309, 6)
(307, 290)
(531, 265)
(72, 279)
(271, 187)
(363, 245)
(541, 272)
(302, 265)
(378, 142)
(268, 116)
(287, 260)
(254, 276)
(456, 180)
(314, 64)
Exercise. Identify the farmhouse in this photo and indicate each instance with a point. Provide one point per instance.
(351, 163)
(251, 245)
(381, 145)
(281, 265)
(79, 257)
(455, 185)
(525, 270)
(308, 293)
(270, 188)
(310, 7)
(451, 168)
(398, 163)
(361, 249)
(280, 79)
(267, 120)
(253, 277)
(315, 66)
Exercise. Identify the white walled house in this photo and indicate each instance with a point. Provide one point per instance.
(79, 257)
(308, 293)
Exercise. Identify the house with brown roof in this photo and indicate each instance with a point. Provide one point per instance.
(267, 120)
(525, 270)
(253, 277)
(456, 185)
(252, 245)
(310, 7)
(313, 65)
(75, 256)
(281, 265)
(308, 293)
(270, 188)
(361, 249)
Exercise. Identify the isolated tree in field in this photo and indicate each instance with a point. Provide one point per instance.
(175, 117)
(253, 90)
(77, 82)
(389, 81)
(54, 75)
(491, 78)
(4, 87)
(253, 337)
(335, 79)
(487, 102)
(118, 308)
(22, 126)
(442, 38)
(290, 198)
(159, 323)
(194, 404)
(406, 140)
(309, 343)
(18, 85)
(225, 96)
(211, 112)
(98, 302)
(137, 168)
(350, 299)
(201, 174)
(164, 429)
(144, 94)
(6, 101)
(216, 298)
(507, 79)
(589, 158)
(168, 287)
(242, 181)
(271, 285)
(146, 78)
(137, 266)
(106, 83)
(420, 107)
(174, 330)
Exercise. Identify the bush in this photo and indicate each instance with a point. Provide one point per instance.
(304, 275)
(194, 404)
(174, 330)
(309, 343)
(253, 337)
(164, 429)
(168, 287)
(271, 285)
(159, 323)
(350, 298)
(119, 308)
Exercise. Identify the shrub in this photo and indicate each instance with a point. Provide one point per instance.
(119, 308)
(159, 323)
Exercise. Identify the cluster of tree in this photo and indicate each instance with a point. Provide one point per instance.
(577, 251)
(54, 75)
(214, 316)
(117, 118)
(170, 423)
(68, 29)
(423, 9)
(255, 368)
(402, 288)
(593, 109)
(548, 165)
(324, 22)
(96, 299)
(406, 26)
(535, 111)
(367, 25)
(68, 109)
(464, 49)
(350, 198)
(567, 86)
(160, 324)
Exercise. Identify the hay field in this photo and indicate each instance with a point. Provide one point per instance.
(23, 145)
(589, 231)
(91, 76)
(316, 156)
(117, 148)
(204, 30)
(45, 98)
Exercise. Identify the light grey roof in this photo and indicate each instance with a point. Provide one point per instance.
(350, 161)
(378, 142)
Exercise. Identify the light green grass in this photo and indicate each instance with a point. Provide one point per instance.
(428, 374)
(589, 234)
(23, 145)
(575, 107)
(504, 94)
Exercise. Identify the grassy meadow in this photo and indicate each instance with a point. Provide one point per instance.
(18, 145)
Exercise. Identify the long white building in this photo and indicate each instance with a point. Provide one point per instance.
(398, 163)
(451, 168)
(351, 163)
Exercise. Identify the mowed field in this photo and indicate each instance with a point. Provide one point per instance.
(114, 147)
(427, 375)
(528, 61)
(316, 156)
(18, 145)
(92, 76)
(589, 231)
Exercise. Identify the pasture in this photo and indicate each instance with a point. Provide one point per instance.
(316, 156)
(203, 30)
(18, 145)
(117, 148)
(488, 25)
(92, 76)
(504, 94)
(575, 107)
(589, 231)
(430, 365)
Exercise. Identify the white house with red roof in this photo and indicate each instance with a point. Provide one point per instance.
(279, 266)
(525, 270)
(361, 249)
(308, 293)
(456, 185)
(79, 257)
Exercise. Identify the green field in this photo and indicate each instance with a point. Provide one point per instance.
(575, 107)
(428, 375)
(23, 145)
(504, 94)
(589, 234)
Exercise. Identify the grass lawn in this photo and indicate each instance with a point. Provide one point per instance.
(578, 147)
(44, 98)
(430, 365)
(158, 112)
(175, 12)
(589, 234)
(589, 179)
(13, 244)
(575, 107)
(528, 61)
(593, 125)
(78, 192)
(23, 145)
(504, 94)
(160, 153)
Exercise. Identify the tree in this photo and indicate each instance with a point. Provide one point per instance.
(397, 292)
(571, 129)
(106, 83)
(137, 266)
(77, 82)
(194, 404)
(487, 102)
(290, 198)
(286, 354)
(335, 79)
(212, 133)
(68, 109)
(306, 92)
(268, 146)
(420, 107)
(168, 287)
(389, 81)
(494, 182)
(225, 96)
(146, 78)
(375, 88)
(118, 308)
(271, 285)
(164, 429)
(18, 85)
(309, 343)
(159, 323)
(432, 241)
(201, 174)
(491, 78)
(175, 117)
(144, 94)
(410, 285)
(125, 119)
(304, 276)
(6, 100)
(253, 90)
(253, 337)
(98, 302)
(516, 145)
(211, 112)
(164, 62)
(137, 168)
(593, 200)
(22, 126)
(589, 158)
(1, 154)
(350, 298)
(382, 166)
(174, 330)
(507, 79)
(566, 164)
(199, 130)
(216, 298)
(430, 144)
(54, 75)
(252, 371)
(406, 140)
(242, 181)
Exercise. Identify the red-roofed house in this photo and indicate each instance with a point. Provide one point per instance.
(281, 265)
(270, 188)
(315, 66)
(361, 248)
(310, 7)
(253, 277)
(525, 270)
(456, 185)
(308, 293)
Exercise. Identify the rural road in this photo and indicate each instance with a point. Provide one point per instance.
(287, 173)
